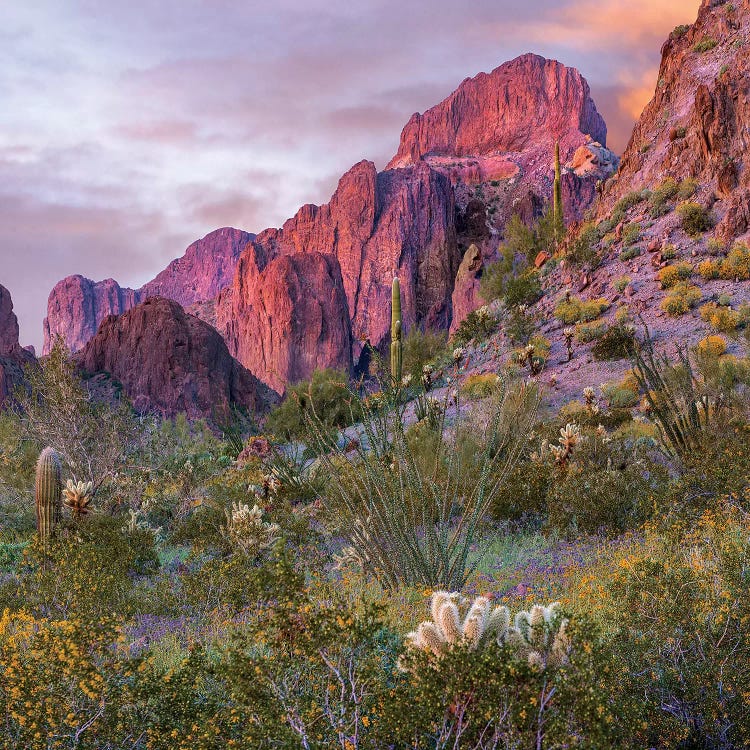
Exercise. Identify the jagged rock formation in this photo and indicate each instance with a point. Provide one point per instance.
(696, 125)
(313, 292)
(13, 357)
(77, 305)
(168, 362)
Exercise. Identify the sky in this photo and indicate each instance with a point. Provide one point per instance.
(128, 130)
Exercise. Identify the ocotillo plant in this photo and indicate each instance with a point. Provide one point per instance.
(48, 493)
(396, 339)
(557, 205)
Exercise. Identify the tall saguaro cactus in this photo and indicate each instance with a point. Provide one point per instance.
(48, 493)
(396, 331)
(557, 205)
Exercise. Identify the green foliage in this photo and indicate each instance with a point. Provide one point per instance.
(681, 298)
(588, 332)
(694, 218)
(631, 233)
(398, 513)
(582, 250)
(630, 253)
(326, 395)
(476, 326)
(671, 275)
(508, 280)
(421, 347)
(723, 319)
(681, 30)
(621, 283)
(687, 189)
(661, 198)
(705, 45)
(573, 310)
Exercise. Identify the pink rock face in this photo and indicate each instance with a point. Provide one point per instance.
(169, 362)
(290, 320)
(375, 225)
(77, 305)
(12, 356)
(510, 109)
(466, 296)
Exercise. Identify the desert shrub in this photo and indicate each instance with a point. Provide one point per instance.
(680, 595)
(713, 346)
(480, 386)
(669, 252)
(573, 310)
(630, 200)
(615, 343)
(582, 250)
(724, 300)
(89, 571)
(681, 30)
(709, 269)
(737, 264)
(621, 283)
(680, 299)
(705, 45)
(687, 189)
(421, 347)
(723, 319)
(716, 247)
(630, 253)
(694, 218)
(595, 500)
(326, 394)
(673, 274)
(63, 684)
(476, 326)
(631, 234)
(621, 395)
(661, 197)
(94, 439)
(587, 332)
(519, 325)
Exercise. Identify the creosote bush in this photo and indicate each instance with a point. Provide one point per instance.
(694, 218)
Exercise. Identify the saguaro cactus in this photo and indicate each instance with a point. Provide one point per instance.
(396, 338)
(557, 205)
(48, 493)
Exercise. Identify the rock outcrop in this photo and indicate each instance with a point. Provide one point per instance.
(288, 319)
(169, 362)
(13, 357)
(515, 108)
(696, 125)
(77, 305)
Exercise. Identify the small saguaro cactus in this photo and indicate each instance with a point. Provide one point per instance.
(48, 493)
(396, 333)
(557, 205)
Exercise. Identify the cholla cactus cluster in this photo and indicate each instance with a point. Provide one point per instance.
(137, 521)
(458, 354)
(246, 529)
(568, 334)
(570, 436)
(77, 496)
(529, 359)
(427, 372)
(538, 635)
(589, 396)
(350, 556)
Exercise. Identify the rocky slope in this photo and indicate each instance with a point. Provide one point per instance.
(168, 362)
(693, 133)
(77, 305)
(13, 357)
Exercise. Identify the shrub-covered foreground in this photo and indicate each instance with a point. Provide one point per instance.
(441, 575)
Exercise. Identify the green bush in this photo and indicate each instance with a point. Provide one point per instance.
(476, 326)
(705, 45)
(630, 253)
(694, 218)
(587, 332)
(631, 234)
(582, 250)
(687, 189)
(326, 393)
(615, 343)
(681, 298)
(673, 274)
(662, 196)
(421, 347)
(573, 310)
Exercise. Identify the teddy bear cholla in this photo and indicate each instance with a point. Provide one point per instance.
(538, 635)
(77, 497)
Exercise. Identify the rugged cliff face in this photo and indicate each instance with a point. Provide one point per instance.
(696, 125)
(13, 357)
(77, 305)
(523, 104)
(168, 362)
